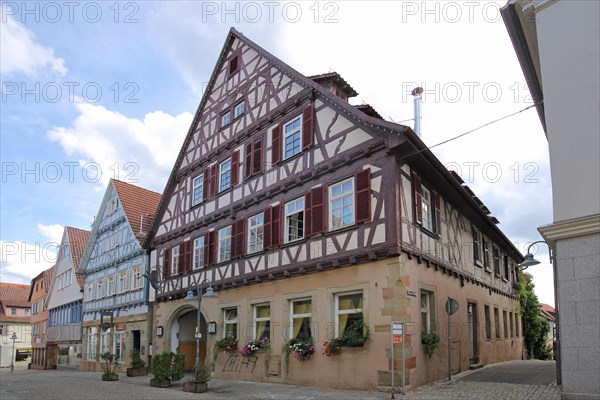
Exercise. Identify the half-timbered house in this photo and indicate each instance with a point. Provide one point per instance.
(115, 302)
(307, 214)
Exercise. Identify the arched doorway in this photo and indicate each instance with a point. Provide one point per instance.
(183, 341)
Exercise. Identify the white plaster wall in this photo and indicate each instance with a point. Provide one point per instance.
(568, 36)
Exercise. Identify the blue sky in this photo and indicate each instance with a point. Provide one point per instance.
(96, 90)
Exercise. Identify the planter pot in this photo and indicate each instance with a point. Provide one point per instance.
(162, 383)
(137, 371)
(193, 387)
(107, 378)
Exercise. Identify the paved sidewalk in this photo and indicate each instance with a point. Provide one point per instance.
(75, 385)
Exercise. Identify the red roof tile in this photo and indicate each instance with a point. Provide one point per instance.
(13, 295)
(77, 240)
(48, 274)
(139, 205)
(548, 310)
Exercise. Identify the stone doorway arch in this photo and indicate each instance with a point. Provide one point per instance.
(181, 330)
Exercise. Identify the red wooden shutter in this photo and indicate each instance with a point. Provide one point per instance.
(276, 145)
(209, 248)
(318, 210)
(181, 259)
(248, 163)
(189, 259)
(257, 157)
(418, 203)
(167, 263)
(237, 238)
(267, 228)
(307, 214)
(214, 182)
(206, 183)
(235, 167)
(307, 127)
(438, 220)
(363, 196)
(276, 225)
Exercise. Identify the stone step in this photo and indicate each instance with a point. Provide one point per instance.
(475, 366)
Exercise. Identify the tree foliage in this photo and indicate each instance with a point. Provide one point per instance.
(535, 327)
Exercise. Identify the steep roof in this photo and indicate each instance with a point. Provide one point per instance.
(48, 274)
(139, 205)
(13, 295)
(77, 240)
(44, 276)
(395, 133)
(334, 77)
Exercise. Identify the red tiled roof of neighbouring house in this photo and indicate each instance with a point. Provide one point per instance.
(548, 310)
(77, 240)
(48, 277)
(13, 295)
(139, 205)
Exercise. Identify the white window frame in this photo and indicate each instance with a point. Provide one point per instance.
(112, 206)
(118, 339)
(300, 316)
(92, 342)
(225, 119)
(340, 197)
(427, 308)
(225, 175)
(256, 319)
(224, 244)
(293, 132)
(174, 260)
(232, 321)
(198, 261)
(239, 109)
(111, 285)
(339, 312)
(122, 281)
(105, 339)
(426, 212)
(291, 209)
(100, 287)
(197, 189)
(136, 277)
(256, 233)
(90, 291)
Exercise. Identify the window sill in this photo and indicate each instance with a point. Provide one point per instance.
(284, 160)
(340, 229)
(429, 233)
(487, 270)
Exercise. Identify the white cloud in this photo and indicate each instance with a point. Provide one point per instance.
(21, 262)
(21, 54)
(52, 232)
(141, 152)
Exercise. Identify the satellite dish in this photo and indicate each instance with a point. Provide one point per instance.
(451, 306)
(153, 279)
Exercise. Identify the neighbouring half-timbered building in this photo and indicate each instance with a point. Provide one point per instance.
(116, 297)
(307, 214)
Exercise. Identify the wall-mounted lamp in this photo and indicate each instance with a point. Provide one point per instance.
(529, 260)
(159, 331)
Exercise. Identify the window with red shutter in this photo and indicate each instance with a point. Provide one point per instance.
(317, 210)
(257, 157)
(237, 239)
(248, 164)
(181, 268)
(207, 184)
(214, 182)
(267, 228)
(166, 263)
(363, 195)
(307, 127)
(276, 225)
(235, 167)
(276, 145)
(209, 248)
(417, 198)
(308, 214)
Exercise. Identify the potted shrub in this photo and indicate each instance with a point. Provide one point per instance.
(430, 342)
(199, 383)
(303, 349)
(110, 366)
(138, 366)
(167, 368)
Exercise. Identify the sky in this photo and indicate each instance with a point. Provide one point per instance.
(96, 90)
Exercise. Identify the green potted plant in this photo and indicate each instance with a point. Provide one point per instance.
(199, 383)
(303, 349)
(110, 366)
(167, 367)
(227, 345)
(430, 342)
(138, 366)
(254, 345)
(355, 335)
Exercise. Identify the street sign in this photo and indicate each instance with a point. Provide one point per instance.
(397, 339)
(451, 306)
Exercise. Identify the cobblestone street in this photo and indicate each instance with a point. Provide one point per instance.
(73, 385)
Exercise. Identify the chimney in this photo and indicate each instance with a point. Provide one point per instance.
(417, 103)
